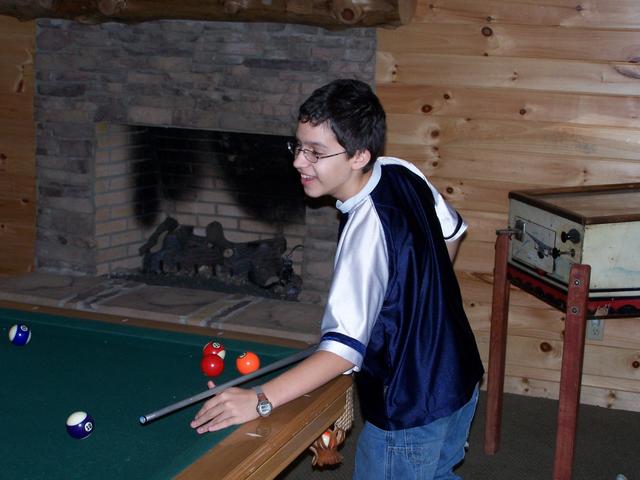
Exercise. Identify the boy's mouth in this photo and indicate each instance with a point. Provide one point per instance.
(306, 178)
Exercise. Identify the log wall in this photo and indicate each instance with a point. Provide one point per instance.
(485, 96)
(17, 146)
(488, 96)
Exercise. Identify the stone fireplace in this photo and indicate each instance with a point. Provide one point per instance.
(102, 89)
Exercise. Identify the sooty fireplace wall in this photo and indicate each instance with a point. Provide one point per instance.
(97, 86)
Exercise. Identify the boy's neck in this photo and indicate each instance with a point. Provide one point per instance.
(358, 184)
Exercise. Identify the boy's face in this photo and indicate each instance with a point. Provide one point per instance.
(338, 176)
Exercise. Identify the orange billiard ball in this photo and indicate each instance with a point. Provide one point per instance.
(247, 362)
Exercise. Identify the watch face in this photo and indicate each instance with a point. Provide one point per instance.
(264, 408)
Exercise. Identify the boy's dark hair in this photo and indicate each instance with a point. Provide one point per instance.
(354, 113)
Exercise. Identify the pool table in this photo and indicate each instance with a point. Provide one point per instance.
(120, 368)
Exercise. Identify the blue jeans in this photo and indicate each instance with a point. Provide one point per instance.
(420, 453)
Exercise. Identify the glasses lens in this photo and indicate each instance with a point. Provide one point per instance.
(295, 148)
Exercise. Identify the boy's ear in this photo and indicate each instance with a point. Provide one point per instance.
(361, 159)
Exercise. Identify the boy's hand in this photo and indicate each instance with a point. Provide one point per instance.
(231, 407)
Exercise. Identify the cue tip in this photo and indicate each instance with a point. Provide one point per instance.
(142, 420)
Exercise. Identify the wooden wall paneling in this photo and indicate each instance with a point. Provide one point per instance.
(17, 147)
(613, 14)
(471, 194)
(516, 167)
(613, 78)
(472, 256)
(513, 104)
(528, 137)
(522, 41)
(484, 224)
(546, 95)
(600, 396)
(530, 357)
(527, 321)
(477, 287)
(590, 380)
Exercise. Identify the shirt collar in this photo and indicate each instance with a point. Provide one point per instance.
(347, 205)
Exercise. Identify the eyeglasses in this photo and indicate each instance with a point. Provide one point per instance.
(310, 155)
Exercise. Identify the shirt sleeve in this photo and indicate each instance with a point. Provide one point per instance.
(358, 287)
(451, 223)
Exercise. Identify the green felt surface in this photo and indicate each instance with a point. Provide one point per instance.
(116, 373)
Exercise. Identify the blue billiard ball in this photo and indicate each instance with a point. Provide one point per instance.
(80, 425)
(19, 334)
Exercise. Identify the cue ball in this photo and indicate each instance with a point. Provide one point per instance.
(214, 347)
(212, 365)
(80, 425)
(19, 334)
(247, 362)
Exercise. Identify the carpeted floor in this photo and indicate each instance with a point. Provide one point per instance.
(608, 445)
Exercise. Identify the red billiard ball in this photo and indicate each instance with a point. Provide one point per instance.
(247, 362)
(214, 347)
(212, 365)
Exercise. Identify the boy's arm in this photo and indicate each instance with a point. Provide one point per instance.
(452, 248)
(238, 405)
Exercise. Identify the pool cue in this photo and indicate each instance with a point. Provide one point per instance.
(283, 362)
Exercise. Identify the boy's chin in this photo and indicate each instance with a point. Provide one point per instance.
(314, 193)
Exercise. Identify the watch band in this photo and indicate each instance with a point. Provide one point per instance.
(261, 396)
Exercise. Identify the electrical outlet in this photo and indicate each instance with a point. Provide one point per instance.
(595, 329)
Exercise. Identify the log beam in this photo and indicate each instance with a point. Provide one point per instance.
(331, 14)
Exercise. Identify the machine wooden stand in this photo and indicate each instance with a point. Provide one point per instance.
(556, 237)
(572, 356)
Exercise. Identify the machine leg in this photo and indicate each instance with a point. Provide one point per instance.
(497, 346)
(571, 375)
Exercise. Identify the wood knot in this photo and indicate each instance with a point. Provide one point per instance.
(487, 31)
(347, 15)
(347, 11)
(579, 8)
(435, 134)
(449, 190)
(426, 108)
(635, 364)
(523, 111)
(546, 347)
(489, 19)
(434, 164)
(446, 96)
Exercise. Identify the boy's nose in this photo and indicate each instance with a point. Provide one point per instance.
(300, 160)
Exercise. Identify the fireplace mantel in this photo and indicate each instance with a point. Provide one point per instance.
(334, 14)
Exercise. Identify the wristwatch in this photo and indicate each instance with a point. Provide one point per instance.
(264, 406)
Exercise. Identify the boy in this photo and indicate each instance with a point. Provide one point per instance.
(394, 313)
